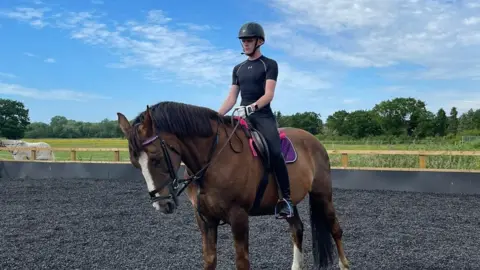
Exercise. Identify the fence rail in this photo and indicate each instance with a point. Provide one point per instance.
(345, 156)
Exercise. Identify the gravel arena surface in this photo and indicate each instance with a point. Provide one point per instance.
(109, 224)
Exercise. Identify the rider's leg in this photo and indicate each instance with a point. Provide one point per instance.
(267, 126)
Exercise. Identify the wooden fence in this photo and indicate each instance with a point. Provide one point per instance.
(345, 156)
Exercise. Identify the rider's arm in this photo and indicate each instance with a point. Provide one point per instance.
(232, 94)
(272, 75)
(230, 100)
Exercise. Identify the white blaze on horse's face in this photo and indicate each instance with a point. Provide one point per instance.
(143, 161)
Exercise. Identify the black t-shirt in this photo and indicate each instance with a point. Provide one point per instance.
(251, 77)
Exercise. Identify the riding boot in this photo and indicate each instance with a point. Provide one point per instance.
(284, 207)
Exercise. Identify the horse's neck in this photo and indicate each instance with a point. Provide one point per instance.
(195, 152)
(17, 144)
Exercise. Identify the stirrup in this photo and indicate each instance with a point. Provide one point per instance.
(290, 215)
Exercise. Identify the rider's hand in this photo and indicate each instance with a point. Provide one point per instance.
(245, 111)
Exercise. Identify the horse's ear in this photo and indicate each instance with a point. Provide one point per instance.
(124, 124)
(147, 122)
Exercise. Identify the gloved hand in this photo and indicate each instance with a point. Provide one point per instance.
(244, 111)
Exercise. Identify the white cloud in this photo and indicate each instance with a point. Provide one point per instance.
(308, 49)
(440, 36)
(153, 45)
(350, 100)
(198, 27)
(165, 51)
(296, 90)
(29, 54)
(8, 75)
(447, 99)
(290, 78)
(49, 60)
(53, 94)
(34, 16)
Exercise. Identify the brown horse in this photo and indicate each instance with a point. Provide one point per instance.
(226, 185)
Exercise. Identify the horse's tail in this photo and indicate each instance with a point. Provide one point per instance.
(322, 248)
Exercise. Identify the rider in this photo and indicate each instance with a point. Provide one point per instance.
(256, 79)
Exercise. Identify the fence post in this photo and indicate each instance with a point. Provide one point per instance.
(344, 160)
(422, 161)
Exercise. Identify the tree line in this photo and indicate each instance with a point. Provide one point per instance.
(398, 117)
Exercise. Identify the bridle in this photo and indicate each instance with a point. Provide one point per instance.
(174, 182)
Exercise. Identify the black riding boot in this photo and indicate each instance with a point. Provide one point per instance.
(284, 207)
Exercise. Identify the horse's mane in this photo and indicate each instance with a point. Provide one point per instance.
(183, 120)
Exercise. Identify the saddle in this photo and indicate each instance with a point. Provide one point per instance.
(259, 148)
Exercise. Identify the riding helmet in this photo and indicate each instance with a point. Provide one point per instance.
(251, 30)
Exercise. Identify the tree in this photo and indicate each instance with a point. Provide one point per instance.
(467, 120)
(453, 121)
(362, 124)
(476, 119)
(14, 119)
(281, 120)
(426, 125)
(309, 121)
(441, 123)
(396, 115)
(336, 122)
(406, 117)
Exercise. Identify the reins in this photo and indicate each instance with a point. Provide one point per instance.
(175, 182)
(201, 172)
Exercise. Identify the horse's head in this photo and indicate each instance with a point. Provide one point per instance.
(157, 155)
(12, 143)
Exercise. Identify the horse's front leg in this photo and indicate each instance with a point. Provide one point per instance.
(239, 225)
(209, 230)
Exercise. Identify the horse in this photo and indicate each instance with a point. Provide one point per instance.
(21, 154)
(229, 184)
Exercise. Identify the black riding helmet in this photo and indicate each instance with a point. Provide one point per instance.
(252, 30)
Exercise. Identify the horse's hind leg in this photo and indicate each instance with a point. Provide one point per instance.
(296, 229)
(337, 232)
(321, 203)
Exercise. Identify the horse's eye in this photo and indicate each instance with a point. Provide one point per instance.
(156, 161)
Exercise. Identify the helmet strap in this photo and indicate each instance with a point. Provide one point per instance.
(254, 49)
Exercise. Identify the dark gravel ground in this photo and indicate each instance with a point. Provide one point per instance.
(101, 224)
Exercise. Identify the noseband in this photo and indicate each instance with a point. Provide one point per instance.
(173, 183)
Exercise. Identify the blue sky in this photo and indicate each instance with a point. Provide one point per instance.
(89, 59)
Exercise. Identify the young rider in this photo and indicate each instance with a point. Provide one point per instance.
(256, 79)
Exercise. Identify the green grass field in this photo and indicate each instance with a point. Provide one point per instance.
(390, 161)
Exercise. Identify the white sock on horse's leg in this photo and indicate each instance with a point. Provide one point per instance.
(297, 263)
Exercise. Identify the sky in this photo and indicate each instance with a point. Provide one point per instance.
(89, 59)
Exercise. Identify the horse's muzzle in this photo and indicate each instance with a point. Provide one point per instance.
(165, 206)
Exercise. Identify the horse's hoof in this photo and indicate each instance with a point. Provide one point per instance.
(344, 266)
